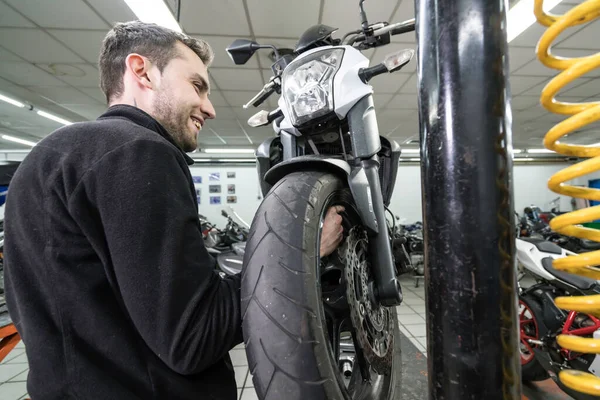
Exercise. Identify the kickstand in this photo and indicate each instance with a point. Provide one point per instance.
(417, 278)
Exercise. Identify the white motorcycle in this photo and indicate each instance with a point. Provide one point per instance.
(323, 328)
(541, 321)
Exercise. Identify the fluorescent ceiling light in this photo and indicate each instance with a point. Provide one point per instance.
(521, 16)
(237, 151)
(224, 159)
(539, 151)
(517, 151)
(54, 118)
(524, 159)
(411, 151)
(17, 140)
(414, 159)
(12, 101)
(154, 11)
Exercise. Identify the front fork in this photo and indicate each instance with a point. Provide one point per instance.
(366, 189)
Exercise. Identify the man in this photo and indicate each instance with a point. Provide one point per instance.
(107, 278)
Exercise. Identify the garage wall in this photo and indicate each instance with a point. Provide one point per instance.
(530, 187)
(529, 184)
(406, 199)
(246, 192)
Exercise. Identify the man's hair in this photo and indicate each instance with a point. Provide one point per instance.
(149, 40)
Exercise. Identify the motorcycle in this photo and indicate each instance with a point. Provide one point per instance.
(227, 245)
(407, 247)
(538, 228)
(541, 321)
(323, 327)
(220, 240)
(231, 260)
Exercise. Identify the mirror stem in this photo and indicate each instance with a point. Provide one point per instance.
(270, 46)
(363, 17)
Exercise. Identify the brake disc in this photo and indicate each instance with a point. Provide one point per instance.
(374, 324)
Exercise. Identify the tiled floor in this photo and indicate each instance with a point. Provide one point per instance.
(411, 314)
(13, 370)
(13, 374)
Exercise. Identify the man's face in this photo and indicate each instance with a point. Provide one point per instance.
(181, 101)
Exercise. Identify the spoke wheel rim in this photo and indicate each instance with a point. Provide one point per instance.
(528, 330)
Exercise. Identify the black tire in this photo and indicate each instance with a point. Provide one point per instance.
(285, 333)
(533, 371)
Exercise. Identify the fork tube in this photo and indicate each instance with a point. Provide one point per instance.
(466, 153)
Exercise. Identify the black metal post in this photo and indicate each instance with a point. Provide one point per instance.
(466, 152)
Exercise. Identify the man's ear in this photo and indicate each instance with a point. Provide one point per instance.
(139, 66)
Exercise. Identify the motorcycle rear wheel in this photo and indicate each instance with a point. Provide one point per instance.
(531, 326)
(286, 302)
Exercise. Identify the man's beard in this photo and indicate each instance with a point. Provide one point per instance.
(174, 120)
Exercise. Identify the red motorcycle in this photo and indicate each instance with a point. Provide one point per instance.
(541, 321)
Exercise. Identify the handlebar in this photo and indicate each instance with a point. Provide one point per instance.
(263, 95)
(402, 27)
(394, 29)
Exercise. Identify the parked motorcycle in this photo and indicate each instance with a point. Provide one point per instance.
(228, 245)
(407, 247)
(532, 225)
(220, 240)
(541, 321)
(323, 328)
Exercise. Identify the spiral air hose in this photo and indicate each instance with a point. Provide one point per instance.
(581, 114)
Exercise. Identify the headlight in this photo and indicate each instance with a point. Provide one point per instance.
(308, 85)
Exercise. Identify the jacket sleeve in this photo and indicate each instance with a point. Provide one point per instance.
(183, 310)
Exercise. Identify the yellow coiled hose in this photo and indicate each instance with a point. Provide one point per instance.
(582, 114)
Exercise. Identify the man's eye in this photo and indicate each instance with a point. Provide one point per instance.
(201, 87)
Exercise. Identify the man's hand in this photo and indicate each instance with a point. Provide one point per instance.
(333, 232)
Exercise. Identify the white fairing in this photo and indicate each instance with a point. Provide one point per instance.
(531, 258)
(348, 89)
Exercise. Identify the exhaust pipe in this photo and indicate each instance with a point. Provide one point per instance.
(347, 369)
(535, 342)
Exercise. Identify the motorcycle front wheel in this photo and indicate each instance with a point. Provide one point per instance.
(300, 338)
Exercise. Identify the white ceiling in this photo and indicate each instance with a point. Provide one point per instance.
(48, 52)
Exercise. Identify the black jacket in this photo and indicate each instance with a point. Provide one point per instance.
(107, 277)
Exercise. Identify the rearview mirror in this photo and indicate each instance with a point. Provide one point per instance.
(241, 50)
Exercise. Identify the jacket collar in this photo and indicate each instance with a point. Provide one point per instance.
(142, 118)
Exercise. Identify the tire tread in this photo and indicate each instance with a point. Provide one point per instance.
(279, 277)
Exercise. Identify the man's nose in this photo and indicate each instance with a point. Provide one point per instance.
(208, 109)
